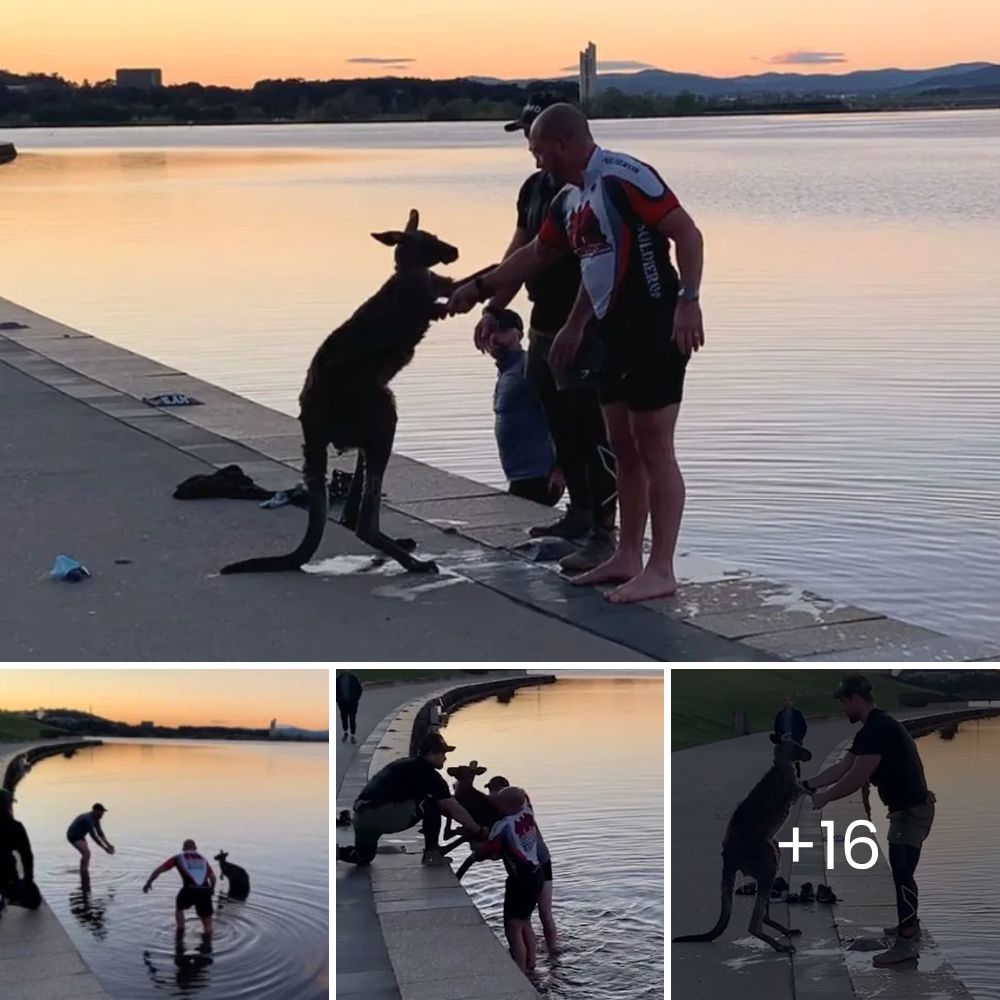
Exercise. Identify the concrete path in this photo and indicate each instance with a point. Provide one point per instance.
(707, 783)
(38, 961)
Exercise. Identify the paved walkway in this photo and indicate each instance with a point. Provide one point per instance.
(87, 468)
(707, 783)
(38, 961)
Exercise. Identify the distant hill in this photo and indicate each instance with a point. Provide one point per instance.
(860, 82)
(986, 78)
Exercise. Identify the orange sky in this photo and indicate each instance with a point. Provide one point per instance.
(176, 697)
(236, 42)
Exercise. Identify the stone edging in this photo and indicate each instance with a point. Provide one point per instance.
(721, 613)
(430, 925)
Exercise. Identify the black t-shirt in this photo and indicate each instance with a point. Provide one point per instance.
(552, 292)
(899, 776)
(13, 837)
(409, 778)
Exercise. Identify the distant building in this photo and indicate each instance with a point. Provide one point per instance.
(139, 79)
(588, 74)
(145, 725)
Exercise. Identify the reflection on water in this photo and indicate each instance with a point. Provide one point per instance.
(958, 867)
(840, 430)
(590, 754)
(266, 805)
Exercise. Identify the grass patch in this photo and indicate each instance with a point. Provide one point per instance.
(703, 701)
(17, 729)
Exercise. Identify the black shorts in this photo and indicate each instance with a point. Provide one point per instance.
(521, 896)
(645, 367)
(200, 897)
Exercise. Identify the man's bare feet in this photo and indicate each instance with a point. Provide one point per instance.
(617, 569)
(647, 586)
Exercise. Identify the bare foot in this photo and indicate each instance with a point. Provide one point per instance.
(647, 586)
(617, 569)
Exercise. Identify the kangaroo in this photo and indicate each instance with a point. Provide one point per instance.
(475, 803)
(749, 845)
(239, 881)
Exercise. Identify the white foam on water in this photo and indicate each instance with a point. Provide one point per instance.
(411, 593)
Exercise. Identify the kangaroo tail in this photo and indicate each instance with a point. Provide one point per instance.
(728, 881)
(314, 473)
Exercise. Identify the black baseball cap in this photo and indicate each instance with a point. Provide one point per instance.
(497, 781)
(536, 104)
(96, 806)
(854, 684)
(434, 743)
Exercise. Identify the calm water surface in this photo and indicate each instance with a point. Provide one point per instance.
(840, 431)
(266, 805)
(597, 787)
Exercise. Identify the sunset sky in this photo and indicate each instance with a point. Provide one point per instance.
(236, 42)
(176, 697)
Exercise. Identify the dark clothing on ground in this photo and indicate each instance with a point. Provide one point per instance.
(348, 716)
(899, 776)
(519, 422)
(553, 291)
(84, 824)
(410, 779)
(791, 721)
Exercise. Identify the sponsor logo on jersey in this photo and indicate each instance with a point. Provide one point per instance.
(584, 232)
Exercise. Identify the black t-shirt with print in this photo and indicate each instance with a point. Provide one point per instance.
(899, 776)
(411, 778)
(553, 291)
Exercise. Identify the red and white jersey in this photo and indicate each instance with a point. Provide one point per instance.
(194, 869)
(518, 836)
(609, 222)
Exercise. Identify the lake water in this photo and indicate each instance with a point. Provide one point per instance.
(266, 805)
(840, 430)
(597, 787)
(958, 869)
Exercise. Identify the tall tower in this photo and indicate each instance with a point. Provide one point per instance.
(588, 74)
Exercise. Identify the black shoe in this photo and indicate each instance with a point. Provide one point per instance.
(779, 888)
(747, 889)
(574, 523)
(824, 894)
(806, 894)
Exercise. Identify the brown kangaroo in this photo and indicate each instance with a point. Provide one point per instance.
(749, 845)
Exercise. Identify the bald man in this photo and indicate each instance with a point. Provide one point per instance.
(619, 218)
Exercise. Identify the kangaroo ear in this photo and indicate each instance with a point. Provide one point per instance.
(473, 763)
(413, 221)
(390, 238)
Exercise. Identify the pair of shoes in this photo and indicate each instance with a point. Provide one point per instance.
(354, 739)
(598, 547)
(434, 859)
(344, 737)
(824, 894)
(574, 523)
(804, 895)
(902, 950)
(747, 889)
(894, 931)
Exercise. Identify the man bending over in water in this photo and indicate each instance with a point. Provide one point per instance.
(199, 884)
(84, 824)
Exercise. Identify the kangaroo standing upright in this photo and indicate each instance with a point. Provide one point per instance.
(749, 845)
(346, 401)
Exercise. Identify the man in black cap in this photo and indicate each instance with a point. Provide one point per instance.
(569, 399)
(884, 753)
(84, 824)
(406, 792)
(14, 840)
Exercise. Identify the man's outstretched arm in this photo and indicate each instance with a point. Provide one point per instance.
(157, 872)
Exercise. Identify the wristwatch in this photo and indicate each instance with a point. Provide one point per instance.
(689, 294)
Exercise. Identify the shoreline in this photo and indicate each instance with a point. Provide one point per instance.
(722, 612)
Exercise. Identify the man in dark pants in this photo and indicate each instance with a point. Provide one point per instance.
(14, 840)
(406, 792)
(348, 695)
(790, 720)
(569, 399)
(884, 753)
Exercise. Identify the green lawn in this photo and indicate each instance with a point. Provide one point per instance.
(403, 675)
(16, 729)
(703, 701)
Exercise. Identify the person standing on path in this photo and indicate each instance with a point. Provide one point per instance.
(884, 753)
(14, 840)
(569, 398)
(199, 884)
(349, 690)
(790, 720)
(88, 823)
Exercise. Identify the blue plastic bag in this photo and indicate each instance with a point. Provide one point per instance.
(67, 568)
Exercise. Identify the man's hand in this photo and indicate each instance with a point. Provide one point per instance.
(689, 331)
(819, 800)
(484, 330)
(108, 848)
(147, 887)
(565, 347)
(464, 298)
